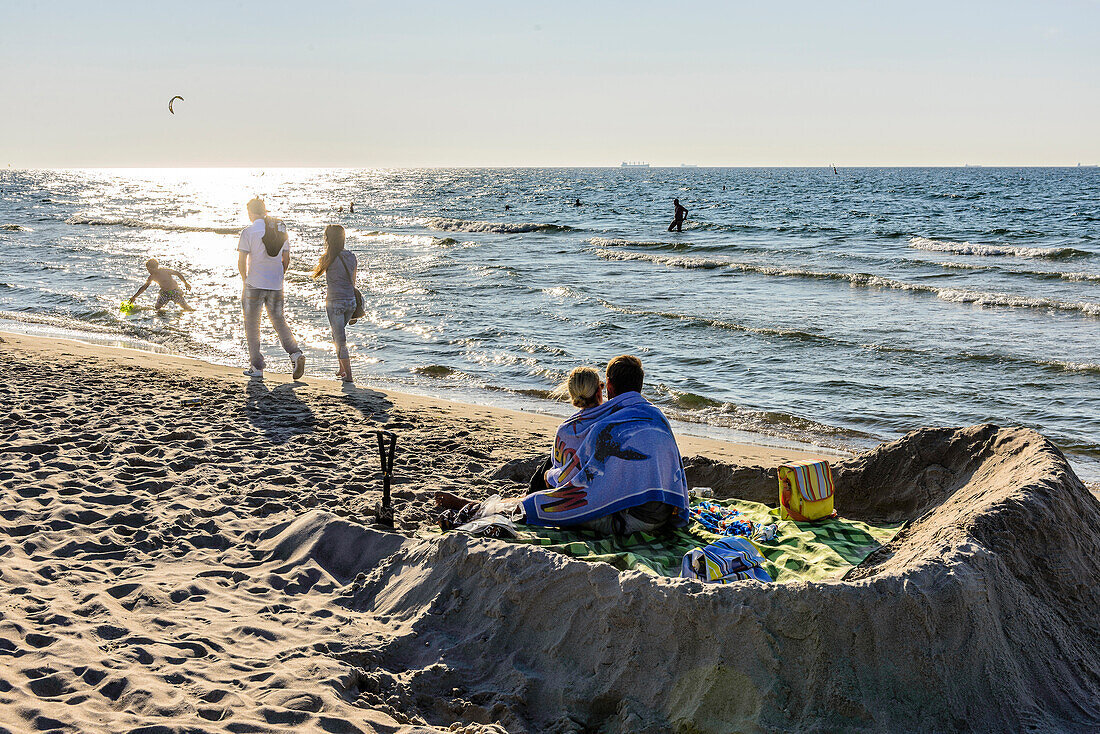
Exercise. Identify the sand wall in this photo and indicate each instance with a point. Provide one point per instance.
(980, 614)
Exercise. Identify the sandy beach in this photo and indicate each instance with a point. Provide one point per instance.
(134, 520)
(210, 567)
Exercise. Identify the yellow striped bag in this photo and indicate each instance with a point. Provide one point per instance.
(805, 491)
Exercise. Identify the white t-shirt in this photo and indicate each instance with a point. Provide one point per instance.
(263, 271)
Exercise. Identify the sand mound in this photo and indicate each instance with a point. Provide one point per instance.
(980, 614)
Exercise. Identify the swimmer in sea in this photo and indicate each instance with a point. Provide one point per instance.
(169, 288)
(678, 217)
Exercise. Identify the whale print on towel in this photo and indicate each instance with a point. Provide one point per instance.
(607, 447)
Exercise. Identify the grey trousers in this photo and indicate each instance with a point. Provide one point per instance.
(339, 314)
(253, 302)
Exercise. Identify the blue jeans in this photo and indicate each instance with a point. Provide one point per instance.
(253, 302)
(339, 314)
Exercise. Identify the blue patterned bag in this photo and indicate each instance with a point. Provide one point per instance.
(725, 561)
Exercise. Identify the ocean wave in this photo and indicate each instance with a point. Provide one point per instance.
(141, 224)
(950, 195)
(784, 228)
(145, 333)
(1051, 365)
(417, 239)
(651, 245)
(446, 224)
(561, 291)
(688, 263)
(691, 407)
(15, 228)
(1073, 277)
(1079, 277)
(968, 248)
(1066, 366)
(80, 323)
(957, 295)
(707, 322)
(867, 280)
(959, 266)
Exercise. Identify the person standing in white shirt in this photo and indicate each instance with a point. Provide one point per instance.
(262, 278)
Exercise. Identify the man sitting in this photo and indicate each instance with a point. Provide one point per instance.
(616, 468)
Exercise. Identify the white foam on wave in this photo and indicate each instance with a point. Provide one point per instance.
(620, 242)
(141, 224)
(669, 260)
(447, 224)
(398, 238)
(969, 248)
(1081, 277)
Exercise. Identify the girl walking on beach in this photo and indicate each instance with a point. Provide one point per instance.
(339, 267)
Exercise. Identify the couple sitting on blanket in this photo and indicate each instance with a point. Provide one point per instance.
(615, 468)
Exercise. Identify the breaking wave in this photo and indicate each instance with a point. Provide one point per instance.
(1073, 277)
(141, 224)
(446, 224)
(691, 407)
(14, 228)
(619, 242)
(954, 295)
(688, 263)
(968, 248)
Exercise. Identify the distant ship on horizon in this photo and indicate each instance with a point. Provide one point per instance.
(634, 164)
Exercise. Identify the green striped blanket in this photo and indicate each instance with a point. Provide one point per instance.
(800, 551)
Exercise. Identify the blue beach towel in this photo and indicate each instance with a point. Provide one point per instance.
(609, 458)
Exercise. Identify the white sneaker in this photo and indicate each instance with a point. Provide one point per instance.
(299, 365)
(253, 372)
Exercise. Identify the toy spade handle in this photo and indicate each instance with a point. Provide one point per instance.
(385, 515)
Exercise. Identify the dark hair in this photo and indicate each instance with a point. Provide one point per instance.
(334, 245)
(625, 374)
(257, 206)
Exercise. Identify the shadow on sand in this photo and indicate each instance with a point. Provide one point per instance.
(280, 414)
(372, 404)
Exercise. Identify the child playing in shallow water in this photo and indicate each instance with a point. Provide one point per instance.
(169, 288)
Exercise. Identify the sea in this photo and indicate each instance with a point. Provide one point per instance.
(798, 306)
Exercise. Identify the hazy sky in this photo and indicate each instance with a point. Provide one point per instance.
(469, 82)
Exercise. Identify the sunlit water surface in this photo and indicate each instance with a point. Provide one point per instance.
(836, 309)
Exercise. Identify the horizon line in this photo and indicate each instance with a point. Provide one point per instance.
(677, 166)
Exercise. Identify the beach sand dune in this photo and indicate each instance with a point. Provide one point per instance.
(210, 568)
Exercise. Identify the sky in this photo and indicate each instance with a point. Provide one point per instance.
(477, 83)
